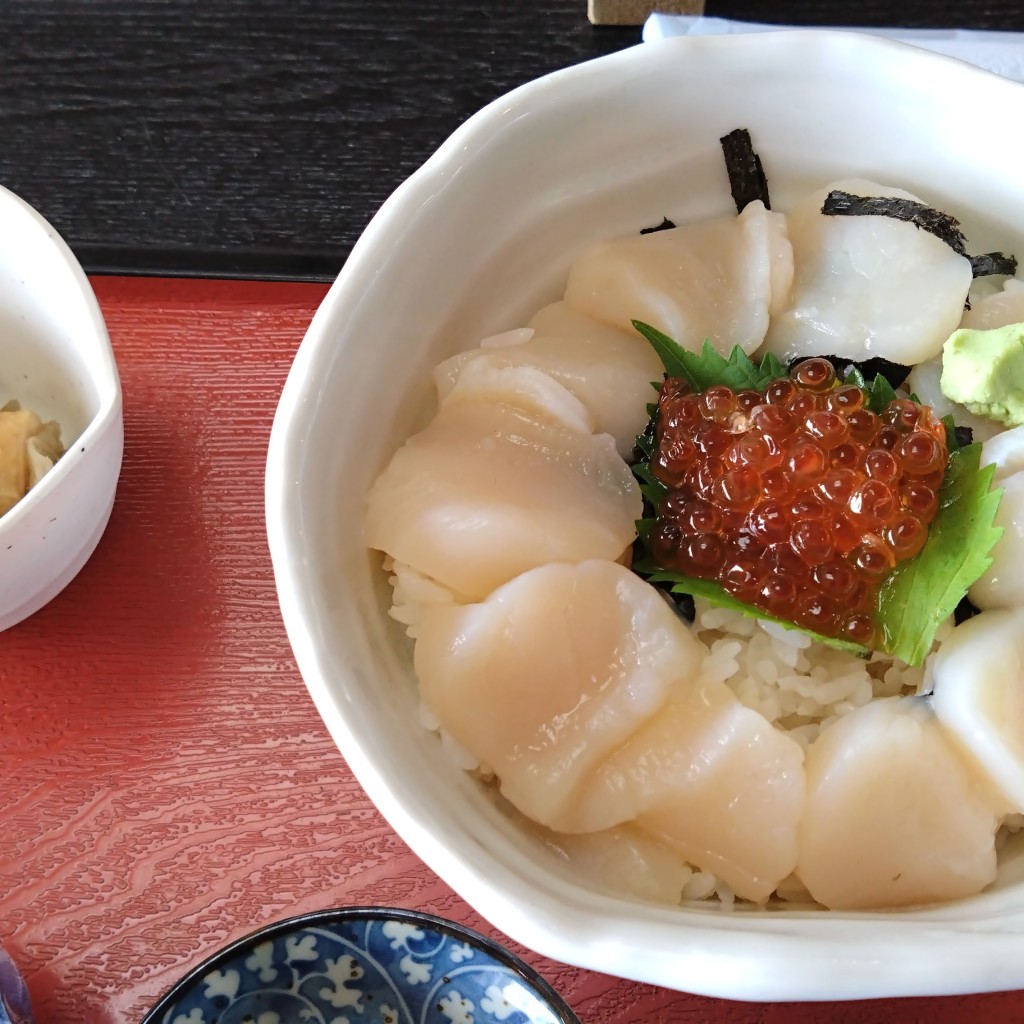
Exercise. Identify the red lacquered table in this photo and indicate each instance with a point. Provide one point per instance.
(166, 784)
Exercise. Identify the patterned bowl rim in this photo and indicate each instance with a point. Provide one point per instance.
(344, 915)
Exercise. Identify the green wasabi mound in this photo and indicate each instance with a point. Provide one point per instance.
(984, 371)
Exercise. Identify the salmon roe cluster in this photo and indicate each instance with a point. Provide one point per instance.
(799, 499)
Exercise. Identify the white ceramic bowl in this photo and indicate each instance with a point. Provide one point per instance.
(56, 359)
(474, 242)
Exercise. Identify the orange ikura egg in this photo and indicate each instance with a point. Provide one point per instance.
(797, 499)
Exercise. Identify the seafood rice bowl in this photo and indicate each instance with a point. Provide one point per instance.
(675, 612)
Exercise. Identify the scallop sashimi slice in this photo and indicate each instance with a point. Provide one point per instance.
(868, 286)
(1005, 451)
(715, 781)
(978, 680)
(896, 815)
(998, 309)
(524, 387)
(608, 370)
(717, 279)
(547, 677)
(498, 483)
(625, 860)
(1002, 584)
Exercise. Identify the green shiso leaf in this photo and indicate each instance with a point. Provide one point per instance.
(709, 367)
(651, 488)
(952, 444)
(919, 595)
(717, 595)
(880, 392)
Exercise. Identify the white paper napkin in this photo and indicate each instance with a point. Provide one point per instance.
(1001, 52)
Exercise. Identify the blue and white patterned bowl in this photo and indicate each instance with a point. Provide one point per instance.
(362, 964)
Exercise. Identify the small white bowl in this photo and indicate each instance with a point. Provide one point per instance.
(471, 245)
(56, 359)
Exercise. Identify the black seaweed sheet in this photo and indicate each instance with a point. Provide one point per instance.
(665, 225)
(990, 264)
(964, 610)
(964, 436)
(935, 222)
(894, 373)
(682, 603)
(746, 175)
(941, 225)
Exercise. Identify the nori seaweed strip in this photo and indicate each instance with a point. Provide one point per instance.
(964, 436)
(665, 225)
(894, 373)
(935, 222)
(964, 610)
(681, 603)
(746, 175)
(645, 441)
(989, 264)
(941, 225)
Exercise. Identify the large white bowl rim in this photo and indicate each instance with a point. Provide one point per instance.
(974, 945)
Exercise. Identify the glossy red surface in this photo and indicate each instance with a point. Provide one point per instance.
(166, 784)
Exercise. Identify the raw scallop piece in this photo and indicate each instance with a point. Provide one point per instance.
(552, 673)
(608, 370)
(625, 860)
(868, 286)
(505, 478)
(1002, 584)
(1005, 451)
(895, 815)
(999, 309)
(718, 279)
(978, 680)
(715, 781)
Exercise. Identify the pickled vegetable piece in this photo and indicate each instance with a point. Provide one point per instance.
(29, 448)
